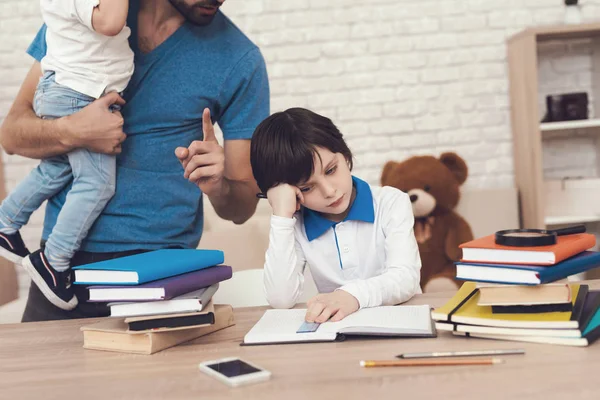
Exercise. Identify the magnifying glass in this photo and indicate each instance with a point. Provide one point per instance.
(534, 237)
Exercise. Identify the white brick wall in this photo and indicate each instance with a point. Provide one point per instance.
(399, 77)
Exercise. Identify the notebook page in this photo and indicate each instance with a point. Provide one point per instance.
(281, 326)
(385, 320)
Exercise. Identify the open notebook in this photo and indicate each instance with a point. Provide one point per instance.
(280, 326)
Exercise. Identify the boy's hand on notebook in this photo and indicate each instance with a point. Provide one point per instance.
(336, 305)
(285, 200)
(204, 160)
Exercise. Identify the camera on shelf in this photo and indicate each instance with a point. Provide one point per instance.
(566, 107)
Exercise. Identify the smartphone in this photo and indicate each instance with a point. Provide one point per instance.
(234, 371)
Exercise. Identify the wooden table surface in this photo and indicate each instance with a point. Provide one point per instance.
(45, 360)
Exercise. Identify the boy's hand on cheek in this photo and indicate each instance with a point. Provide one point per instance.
(285, 200)
(336, 305)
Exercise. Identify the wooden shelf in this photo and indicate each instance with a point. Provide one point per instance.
(559, 32)
(536, 206)
(589, 125)
(571, 219)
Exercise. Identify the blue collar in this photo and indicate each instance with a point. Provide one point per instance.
(361, 210)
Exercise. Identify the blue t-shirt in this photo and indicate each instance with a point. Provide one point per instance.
(214, 66)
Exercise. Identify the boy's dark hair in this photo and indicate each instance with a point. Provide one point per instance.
(283, 146)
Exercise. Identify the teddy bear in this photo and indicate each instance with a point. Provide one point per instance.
(433, 187)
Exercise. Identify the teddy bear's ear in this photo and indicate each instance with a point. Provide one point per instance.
(456, 165)
(387, 172)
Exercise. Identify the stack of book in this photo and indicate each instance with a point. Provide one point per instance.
(514, 299)
(485, 261)
(473, 312)
(160, 298)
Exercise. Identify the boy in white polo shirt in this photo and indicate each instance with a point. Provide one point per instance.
(357, 240)
(88, 56)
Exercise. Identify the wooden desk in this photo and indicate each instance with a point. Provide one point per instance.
(46, 360)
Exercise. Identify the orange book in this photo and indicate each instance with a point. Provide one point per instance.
(486, 250)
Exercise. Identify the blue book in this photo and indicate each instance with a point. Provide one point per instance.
(146, 267)
(527, 274)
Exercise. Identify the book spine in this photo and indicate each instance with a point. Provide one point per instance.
(578, 307)
(595, 306)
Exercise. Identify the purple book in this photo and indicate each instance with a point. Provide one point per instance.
(162, 289)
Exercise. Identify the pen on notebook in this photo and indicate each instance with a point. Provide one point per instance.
(462, 353)
(423, 363)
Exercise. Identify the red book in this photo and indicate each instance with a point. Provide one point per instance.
(486, 250)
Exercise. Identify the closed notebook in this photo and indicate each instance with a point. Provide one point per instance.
(173, 321)
(509, 295)
(280, 326)
(463, 308)
(187, 303)
(111, 334)
(485, 250)
(501, 331)
(590, 307)
(533, 309)
(589, 333)
(527, 274)
(162, 289)
(146, 267)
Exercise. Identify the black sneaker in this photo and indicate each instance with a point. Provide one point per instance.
(12, 247)
(56, 286)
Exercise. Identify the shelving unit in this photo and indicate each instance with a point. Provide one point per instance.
(589, 125)
(570, 219)
(528, 132)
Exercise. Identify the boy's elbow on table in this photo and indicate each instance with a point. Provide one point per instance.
(416, 285)
(282, 294)
(281, 302)
(407, 286)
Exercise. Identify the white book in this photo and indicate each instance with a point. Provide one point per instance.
(186, 303)
(564, 341)
(280, 326)
(517, 256)
(493, 330)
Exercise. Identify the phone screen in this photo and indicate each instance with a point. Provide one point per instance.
(233, 368)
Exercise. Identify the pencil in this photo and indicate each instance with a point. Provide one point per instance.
(416, 363)
(462, 353)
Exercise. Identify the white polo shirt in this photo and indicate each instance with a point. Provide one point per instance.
(82, 59)
(372, 254)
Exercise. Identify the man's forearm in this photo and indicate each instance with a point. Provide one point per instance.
(25, 134)
(236, 202)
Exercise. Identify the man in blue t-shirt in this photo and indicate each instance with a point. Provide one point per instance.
(188, 57)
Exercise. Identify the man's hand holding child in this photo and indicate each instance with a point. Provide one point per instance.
(331, 306)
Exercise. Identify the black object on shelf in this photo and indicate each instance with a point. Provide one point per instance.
(566, 107)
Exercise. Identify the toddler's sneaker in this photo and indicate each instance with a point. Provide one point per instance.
(12, 247)
(55, 285)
